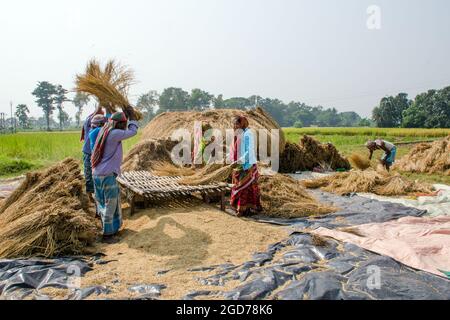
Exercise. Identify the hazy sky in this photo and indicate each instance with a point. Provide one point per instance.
(317, 52)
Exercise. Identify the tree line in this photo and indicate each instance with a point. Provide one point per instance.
(430, 109)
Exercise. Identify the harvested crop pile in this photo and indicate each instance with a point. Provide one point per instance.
(309, 154)
(210, 174)
(428, 158)
(148, 153)
(47, 215)
(285, 197)
(369, 181)
(163, 126)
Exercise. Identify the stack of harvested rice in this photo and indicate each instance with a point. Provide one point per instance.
(109, 85)
(310, 154)
(47, 215)
(359, 161)
(428, 158)
(284, 197)
(369, 181)
(164, 125)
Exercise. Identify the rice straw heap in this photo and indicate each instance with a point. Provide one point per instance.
(359, 161)
(47, 215)
(427, 158)
(369, 181)
(284, 197)
(109, 85)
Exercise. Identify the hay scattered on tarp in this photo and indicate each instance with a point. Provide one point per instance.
(310, 154)
(369, 181)
(284, 197)
(109, 85)
(359, 161)
(47, 215)
(427, 158)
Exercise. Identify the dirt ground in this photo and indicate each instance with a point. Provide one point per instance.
(174, 240)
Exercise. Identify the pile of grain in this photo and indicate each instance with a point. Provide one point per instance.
(428, 158)
(369, 181)
(285, 197)
(47, 215)
(309, 154)
(163, 126)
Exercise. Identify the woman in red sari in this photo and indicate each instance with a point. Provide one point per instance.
(245, 195)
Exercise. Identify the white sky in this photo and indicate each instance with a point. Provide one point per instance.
(317, 52)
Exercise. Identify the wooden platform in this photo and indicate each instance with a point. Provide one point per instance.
(148, 187)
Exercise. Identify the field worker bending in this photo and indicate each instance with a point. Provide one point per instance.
(390, 151)
(106, 161)
(87, 151)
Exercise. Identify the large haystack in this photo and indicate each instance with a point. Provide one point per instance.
(428, 158)
(309, 154)
(369, 181)
(47, 215)
(163, 126)
(285, 197)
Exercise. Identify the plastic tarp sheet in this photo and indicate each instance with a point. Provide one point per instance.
(421, 243)
(438, 205)
(296, 269)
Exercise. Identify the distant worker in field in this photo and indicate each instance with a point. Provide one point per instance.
(202, 140)
(390, 151)
(245, 195)
(106, 161)
(87, 151)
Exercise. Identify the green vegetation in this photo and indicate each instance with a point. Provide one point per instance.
(24, 151)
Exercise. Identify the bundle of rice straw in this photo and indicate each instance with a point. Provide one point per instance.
(47, 215)
(427, 158)
(359, 161)
(284, 197)
(166, 169)
(210, 174)
(369, 181)
(109, 85)
(309, 154)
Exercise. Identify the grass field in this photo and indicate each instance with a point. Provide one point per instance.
(25, 151)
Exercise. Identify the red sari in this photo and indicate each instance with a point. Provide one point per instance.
(245, 195)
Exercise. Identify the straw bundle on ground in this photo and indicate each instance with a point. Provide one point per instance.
(47, 215)
(163, 126)
(428, 158)
(369, 181)
(309, 154)
(285, 197)
(359, 161)
(109, 85)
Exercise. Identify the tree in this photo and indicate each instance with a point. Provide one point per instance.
(238, 103)
(389, 114)
(64, 119)
(200, 100)
(147, 103)
(80, 101)
(44, 94)
(298, 124)
(59, 99)
(218, 102)
(365, 123)
(173, 99)
(22, 112)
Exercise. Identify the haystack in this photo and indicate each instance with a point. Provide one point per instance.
(47, 215)
(428, 158)
(163, 126)
(309, 154)
(369, 181)
(284, 197)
